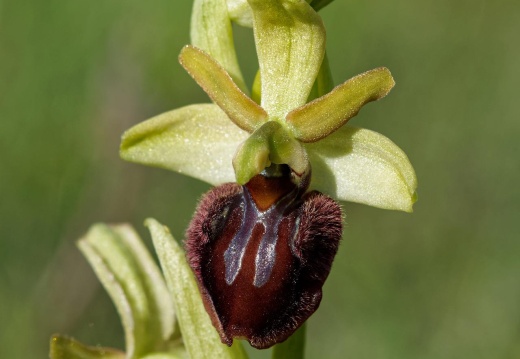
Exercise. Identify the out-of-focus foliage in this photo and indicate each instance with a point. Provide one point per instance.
(441, 283)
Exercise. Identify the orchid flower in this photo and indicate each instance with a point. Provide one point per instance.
(262, 242)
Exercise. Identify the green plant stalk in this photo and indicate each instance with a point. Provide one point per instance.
(292, 348)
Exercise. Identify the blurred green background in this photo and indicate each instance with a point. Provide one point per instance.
(443, 282)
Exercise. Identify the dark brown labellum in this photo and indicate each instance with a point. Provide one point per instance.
(261, 253)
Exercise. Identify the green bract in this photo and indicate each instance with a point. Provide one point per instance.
(149, 304)
(280, 125)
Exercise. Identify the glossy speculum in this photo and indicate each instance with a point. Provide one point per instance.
(261, 253)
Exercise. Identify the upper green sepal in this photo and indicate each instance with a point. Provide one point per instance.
(290, 43)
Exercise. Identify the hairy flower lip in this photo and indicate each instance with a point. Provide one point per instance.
(260, 270)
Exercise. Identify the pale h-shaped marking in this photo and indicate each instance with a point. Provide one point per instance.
(266, 255)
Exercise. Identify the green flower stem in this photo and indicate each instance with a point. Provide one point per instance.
(292, 348)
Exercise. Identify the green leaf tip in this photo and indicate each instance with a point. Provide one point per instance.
(200, 337)
(324, 115)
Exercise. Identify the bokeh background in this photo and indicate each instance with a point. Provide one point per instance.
(443, 282)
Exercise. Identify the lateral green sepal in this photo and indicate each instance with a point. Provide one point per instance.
(196, 140)
(359, 165)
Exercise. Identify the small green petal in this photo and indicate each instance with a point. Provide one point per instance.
(359, 165)
(68, 348)
(240, 12)
(200, 337)
(197, 140)
(290, 42)
(211, 31)
(270, 143)
(133, 281)
(243, 111)
(321, 117)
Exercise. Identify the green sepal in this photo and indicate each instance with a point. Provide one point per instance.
(200, 337)
(211, 31)
(67, 348)
(196, 140)
(290, 43)
(359, 165)
(269, 144)
(326, 114)
(135, 285)
(219, 86)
